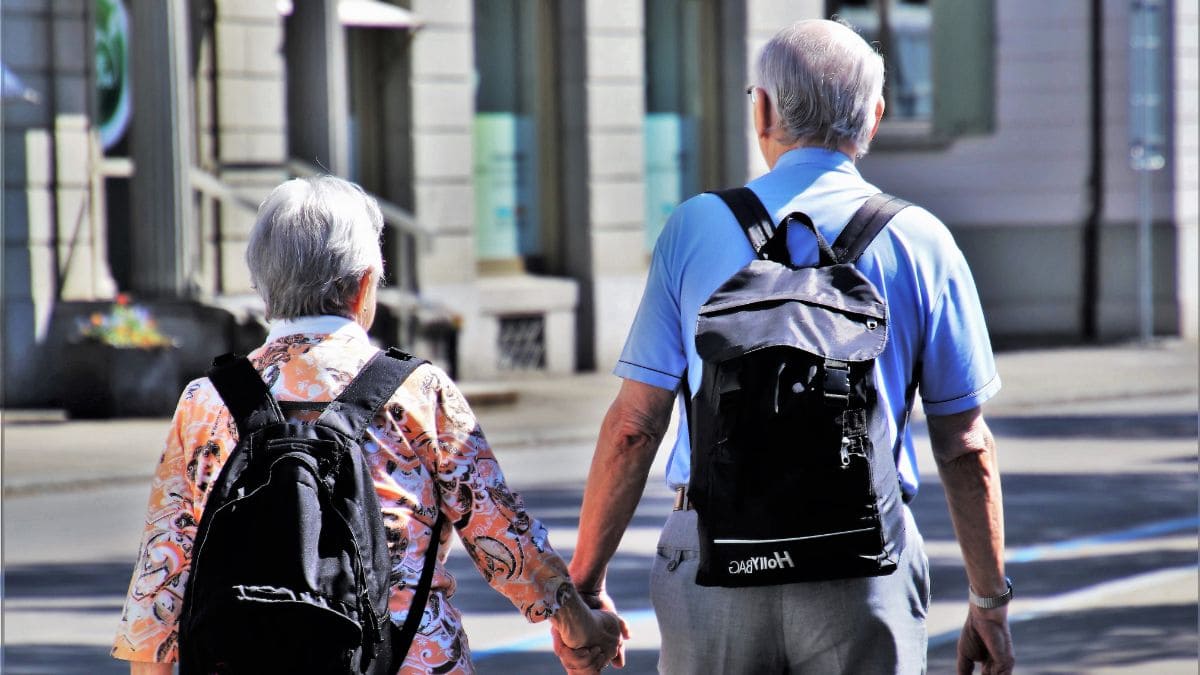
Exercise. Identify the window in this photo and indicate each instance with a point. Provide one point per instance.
(514, 134)
(380, 134)
(686, 89)
(939, 56)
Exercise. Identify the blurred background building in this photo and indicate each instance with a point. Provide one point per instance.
(527, 152)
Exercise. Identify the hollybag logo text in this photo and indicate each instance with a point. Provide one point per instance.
(762, 563)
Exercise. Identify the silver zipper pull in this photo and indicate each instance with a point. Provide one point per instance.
(845, 452)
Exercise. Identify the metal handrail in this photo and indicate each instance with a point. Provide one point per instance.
(395, 216)
(206, 183)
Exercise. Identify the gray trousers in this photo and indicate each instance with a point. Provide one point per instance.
(859, 626)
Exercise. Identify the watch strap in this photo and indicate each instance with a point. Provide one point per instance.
(994, 601)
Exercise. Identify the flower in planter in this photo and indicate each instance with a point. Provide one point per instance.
(125, 326)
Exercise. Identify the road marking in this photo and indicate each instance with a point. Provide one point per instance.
(543, 643)
(1026, 554)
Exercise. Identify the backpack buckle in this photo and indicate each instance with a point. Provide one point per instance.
(836, 383)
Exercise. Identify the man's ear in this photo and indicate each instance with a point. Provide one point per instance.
(762, 113)
(879, 106)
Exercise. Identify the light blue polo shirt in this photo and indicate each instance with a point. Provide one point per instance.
(934, 316)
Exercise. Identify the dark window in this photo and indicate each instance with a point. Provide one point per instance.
(522, 343)
(515, 133)
(689, 88)
(939, 56)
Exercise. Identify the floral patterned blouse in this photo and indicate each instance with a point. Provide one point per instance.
(424, 448)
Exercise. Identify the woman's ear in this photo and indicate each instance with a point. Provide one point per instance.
(363, 302)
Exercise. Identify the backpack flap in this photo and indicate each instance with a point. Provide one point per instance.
(833, 312)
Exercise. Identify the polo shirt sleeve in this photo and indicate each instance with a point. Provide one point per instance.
(654, 352)
(958, 371)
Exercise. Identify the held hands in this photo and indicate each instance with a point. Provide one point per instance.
(986, 639)
(602, 642)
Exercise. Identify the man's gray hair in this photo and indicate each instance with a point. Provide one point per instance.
(311, 243)
(824, 81)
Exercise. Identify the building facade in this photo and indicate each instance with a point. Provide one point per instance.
(527, 152)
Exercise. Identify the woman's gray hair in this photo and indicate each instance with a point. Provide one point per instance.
(311, 243)
(824, 81)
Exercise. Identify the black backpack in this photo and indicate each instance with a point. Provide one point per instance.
(791, 479)
(290, 570)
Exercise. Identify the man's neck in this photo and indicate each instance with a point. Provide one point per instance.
(775, 150)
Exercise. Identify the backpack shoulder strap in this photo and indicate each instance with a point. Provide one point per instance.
(756, 223)
(402, 638)
(866, 224)
(245, 394)
(352, 412)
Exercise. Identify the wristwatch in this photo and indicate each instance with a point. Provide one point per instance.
(992, 602)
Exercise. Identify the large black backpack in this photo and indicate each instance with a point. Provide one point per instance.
(290, 569)
(791, 477)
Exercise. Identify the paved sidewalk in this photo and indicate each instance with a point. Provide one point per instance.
(42, 450)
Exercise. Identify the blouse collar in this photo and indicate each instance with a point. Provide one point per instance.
(316, 325)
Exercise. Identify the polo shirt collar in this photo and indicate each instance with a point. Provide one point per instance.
(819, 158)
(316, 325)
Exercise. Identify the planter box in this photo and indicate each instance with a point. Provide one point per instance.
(102, 381)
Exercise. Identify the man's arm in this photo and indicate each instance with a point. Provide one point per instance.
(966, 458)
(628, 440)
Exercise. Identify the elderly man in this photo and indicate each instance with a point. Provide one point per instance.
(817, 103)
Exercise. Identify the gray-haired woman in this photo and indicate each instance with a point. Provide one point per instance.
(314, 257)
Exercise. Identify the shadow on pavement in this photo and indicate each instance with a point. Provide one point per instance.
(1115, 427)
(67, 580)
(1044, 508)
(1103, 638)
(61, 660)
(1128, 427)
(85, 582)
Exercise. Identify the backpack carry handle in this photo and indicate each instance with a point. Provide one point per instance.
(769, 240)
(828, 257)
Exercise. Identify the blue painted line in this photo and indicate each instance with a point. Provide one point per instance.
(1026, 554)
(542, 642)
(1023, 554)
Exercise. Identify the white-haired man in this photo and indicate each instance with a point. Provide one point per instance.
(817, 103)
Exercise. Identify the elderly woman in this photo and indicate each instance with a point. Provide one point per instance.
(314, 257)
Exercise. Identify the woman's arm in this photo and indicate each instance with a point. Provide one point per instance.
(510, 548)
(149, 623)
(143, 668)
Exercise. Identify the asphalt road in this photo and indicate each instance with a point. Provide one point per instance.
(1101, 514)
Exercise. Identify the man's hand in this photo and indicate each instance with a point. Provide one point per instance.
(579, 659)
(985, 639)
(587, 632)
(594, 644)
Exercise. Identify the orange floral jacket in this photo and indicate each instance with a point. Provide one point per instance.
(424, 449)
